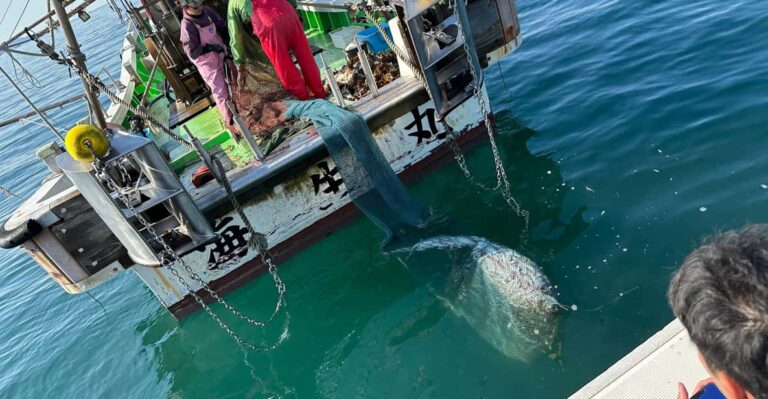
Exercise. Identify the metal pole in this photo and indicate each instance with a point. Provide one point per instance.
(31, 104)
(40, 21)
(151, 76)
(367, 71)
(79, 58)
(44, 108)
(332, 82)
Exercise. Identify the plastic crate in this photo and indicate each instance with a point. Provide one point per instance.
(373, 38)
(324, 21)
(342, 37)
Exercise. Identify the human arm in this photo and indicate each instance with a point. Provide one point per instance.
(190, 40)
(237, 13)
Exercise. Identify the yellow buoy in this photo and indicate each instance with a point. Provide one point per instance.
(78, 136)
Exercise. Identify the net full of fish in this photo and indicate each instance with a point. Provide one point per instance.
(503, 295)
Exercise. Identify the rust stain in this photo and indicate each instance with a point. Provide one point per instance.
(47, 264)
(296, 184)
(167, 283)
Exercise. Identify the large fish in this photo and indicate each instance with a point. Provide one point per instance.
(503, 295)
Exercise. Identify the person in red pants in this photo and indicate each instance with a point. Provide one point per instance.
(279, 29)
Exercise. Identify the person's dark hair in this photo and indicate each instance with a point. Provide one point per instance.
(720, 294)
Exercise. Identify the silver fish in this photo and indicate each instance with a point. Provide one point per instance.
(503, 296)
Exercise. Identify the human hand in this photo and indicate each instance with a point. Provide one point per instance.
(241, 75)
(213, 47)
(682, 393)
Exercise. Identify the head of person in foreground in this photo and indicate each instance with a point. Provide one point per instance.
(720, 294)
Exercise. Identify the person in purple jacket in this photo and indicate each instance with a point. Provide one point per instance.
(203, 35)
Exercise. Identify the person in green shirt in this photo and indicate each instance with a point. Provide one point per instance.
(257, 88)
(244, 45)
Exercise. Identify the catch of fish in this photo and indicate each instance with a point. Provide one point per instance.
(503, 295)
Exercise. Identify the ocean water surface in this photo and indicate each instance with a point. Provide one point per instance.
(629, 130)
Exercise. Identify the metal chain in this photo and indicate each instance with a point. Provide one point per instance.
(169, 257)
(95, 83)
(502, 182)
(375, 8)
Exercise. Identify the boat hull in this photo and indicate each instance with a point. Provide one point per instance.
(330, 223)
(309, 203)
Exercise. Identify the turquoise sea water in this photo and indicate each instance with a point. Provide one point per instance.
(630, 129)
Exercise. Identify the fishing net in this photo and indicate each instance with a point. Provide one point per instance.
(502, 295)
(372, 184)
(259, 97)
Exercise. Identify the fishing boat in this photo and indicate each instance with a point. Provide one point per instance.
(83, 229)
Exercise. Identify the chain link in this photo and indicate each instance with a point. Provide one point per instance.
(95, 83)
(169, 257)
(257, 240)
(502, 181)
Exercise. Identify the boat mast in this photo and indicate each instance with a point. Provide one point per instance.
(79, 60)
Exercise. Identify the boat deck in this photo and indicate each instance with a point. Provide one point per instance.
(652, 370)
(394, 100)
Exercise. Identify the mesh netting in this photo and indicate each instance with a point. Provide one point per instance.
(501, 294)
(372, 184)
(259, 99)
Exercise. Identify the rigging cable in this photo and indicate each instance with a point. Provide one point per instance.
(31, 81)
(25, 73)
(50, 25)
(6, 12)
(257, 240)
(19, 20)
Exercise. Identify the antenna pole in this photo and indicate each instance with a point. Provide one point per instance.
(79, 59)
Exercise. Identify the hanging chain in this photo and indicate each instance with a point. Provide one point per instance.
(95, 82)
(169, 257)
(257, 240)
(502, 181)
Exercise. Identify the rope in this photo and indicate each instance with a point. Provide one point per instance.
(26, 75)
(9, 193)
(112, 5)
(34, 122)
(400, 54)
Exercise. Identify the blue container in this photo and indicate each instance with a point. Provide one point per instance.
(376, 43)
